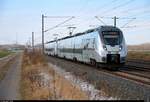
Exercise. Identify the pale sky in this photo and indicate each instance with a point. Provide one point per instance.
(19, 18)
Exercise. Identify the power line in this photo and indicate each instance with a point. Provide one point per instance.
(115, 18)
(141, 13)
(104, 5)
(132, 9)
(57, 16)
(121, 7)
(116, 7)
(83, 7)
(59, 24)
(67, 25)
(128, 22)
(135, 11)
(43, 30)
(108, 3)
(129, 26)
(124, 4)
(100, 20)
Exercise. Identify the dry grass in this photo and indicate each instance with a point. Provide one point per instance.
(65, 89)
(139, 55)
(33, 86)
(33, 64)
(58, 87)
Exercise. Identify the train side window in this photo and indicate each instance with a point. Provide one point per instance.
(93, 43)
(87, 43)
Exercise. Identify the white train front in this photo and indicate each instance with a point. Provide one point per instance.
(105, 45)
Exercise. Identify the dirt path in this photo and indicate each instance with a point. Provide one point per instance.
(9, 86)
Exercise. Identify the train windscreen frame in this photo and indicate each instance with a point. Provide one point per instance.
(112, 37)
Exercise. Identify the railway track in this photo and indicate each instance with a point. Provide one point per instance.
(139, 65)
(137, 74)
(127, 74)
(133, 75)
(134, 72)
(139, 61)
(140, 69)
(131, 72)
(122, 81)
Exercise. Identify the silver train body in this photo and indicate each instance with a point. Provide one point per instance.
(105, 44)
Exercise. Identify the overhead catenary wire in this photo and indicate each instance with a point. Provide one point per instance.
(132, 9)
(141, 13)
(117, 11)
(124, 26)
(144, 25)
(83, 7)
(59, 24)
(129, 26)
(135, 11)
(57, 16)
(108, 3)
(100, 20)
(128, 22)
(116, 7)
(105, 5)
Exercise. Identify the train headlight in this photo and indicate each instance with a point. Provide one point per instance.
(104, 47)
(120, 47)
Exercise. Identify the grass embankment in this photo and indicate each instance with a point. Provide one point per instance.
(40, 81)
(64, 89)
(139, 55)
(33, 64)
(4, 53)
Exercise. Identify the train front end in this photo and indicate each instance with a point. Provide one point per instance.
(114, 49)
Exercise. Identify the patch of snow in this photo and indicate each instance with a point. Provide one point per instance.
(45, 79)
(93, 94)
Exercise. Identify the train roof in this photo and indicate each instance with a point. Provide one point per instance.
(88, 31)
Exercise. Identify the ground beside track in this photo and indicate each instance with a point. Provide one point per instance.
(113, 86)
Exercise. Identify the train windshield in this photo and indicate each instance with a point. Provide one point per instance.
(112, 38)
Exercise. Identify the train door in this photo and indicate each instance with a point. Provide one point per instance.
(85, 43)
(88, 49)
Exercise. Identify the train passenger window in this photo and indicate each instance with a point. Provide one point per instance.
(85, 43)
(93, 43)
(89, 43)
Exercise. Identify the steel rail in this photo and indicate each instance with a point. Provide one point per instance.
(121, 73)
